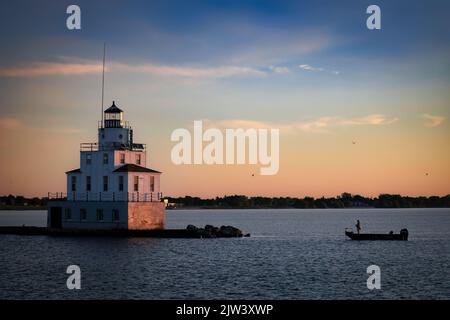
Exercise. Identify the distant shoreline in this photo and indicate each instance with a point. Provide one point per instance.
(343, 201)
(44, 208)
(292, 208)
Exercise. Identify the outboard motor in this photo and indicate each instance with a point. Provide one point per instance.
(404, 234)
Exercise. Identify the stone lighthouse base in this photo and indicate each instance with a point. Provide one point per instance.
(146, 215)
(106, 215)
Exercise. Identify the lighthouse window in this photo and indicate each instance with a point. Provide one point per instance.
(105, 158)
(99, 214)
(122, 158)
(74, 183)
(68, 214)
(138, 159)
(83, 214)
(152, 184)
(88, 158)
(105, 183)
(120, 183)
(136, 183)
(115, 215)
(88, 183)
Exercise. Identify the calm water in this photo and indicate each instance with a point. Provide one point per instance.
(292, 254)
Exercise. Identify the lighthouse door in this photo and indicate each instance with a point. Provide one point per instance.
(55, 217)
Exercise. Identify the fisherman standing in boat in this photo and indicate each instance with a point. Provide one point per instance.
(358, 226)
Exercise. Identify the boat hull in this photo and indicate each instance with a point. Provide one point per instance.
(376, 236)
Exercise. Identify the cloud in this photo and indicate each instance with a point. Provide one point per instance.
(12, 124)
(327, 122)
(263, 45)
(9, 124)
(373, 119)
(318, 125)
(85, 67)
(432, 121)
(50, 69)
(239, 123)
(280, 70)
(55, 69)
(189, 72)
(307, 67)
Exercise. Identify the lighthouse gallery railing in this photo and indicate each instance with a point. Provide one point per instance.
(106, 196)
(94, 146)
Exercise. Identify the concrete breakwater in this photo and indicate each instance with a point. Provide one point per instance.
(190, 232)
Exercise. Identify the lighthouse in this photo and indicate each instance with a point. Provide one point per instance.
(113, 188)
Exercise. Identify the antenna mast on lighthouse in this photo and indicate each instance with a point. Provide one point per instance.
(103, 79)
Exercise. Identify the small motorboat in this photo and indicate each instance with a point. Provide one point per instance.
(403, 235)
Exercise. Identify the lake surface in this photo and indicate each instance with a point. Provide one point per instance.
(292, 254)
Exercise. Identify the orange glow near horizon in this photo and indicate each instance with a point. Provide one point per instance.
(382, 160)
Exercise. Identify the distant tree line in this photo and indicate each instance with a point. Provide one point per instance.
(345, 200)
(20, 201)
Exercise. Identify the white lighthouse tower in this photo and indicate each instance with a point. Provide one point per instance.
(113, 188)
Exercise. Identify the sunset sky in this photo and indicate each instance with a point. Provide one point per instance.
(360, 111)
